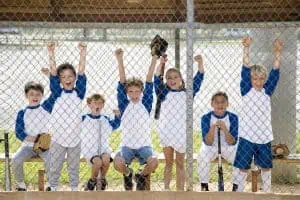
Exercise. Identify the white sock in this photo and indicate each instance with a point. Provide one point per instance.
(240, 181)
(266, 178)
(235, 175)
(21, 185)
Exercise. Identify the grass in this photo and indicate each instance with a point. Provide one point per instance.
(31, 169)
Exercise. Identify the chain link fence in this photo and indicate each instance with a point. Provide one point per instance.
(212, 29)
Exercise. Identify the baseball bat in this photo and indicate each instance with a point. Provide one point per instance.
(160, 88)
(220, 169)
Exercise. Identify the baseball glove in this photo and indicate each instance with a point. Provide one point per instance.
(42, 142)
(280, 151)
(158, 46)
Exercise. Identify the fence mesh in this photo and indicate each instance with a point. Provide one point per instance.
(28, 27)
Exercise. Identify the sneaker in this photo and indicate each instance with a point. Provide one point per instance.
(19, 189)
(101, 184)
(91, 184)
(128, 185)
(204, 187)
(140, 181)
(48, 189)
(234, 187)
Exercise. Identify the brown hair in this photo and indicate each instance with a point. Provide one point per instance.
(34, 86)
(65, 66)
(219, 93)
(95, 97)
(176, 71)
(258, 69)
(134, 82)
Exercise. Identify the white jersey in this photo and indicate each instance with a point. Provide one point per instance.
(95, 134)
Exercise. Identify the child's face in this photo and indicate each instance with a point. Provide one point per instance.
(67, 79)
(96, 106)
(134, 94)
(258, 81)
(34, 97)
(220, 105)
(174, 80)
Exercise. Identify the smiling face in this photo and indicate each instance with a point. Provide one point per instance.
(134, 93)
(67, 79)
(34, 97)
(258, 80)
(96, 106)
(174, 79)
(220, 104)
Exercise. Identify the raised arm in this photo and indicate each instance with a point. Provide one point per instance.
(199, 60)
(277, 47)
(151, 69)
(81, 68)
(199, 75)
(246, 42)
(119, 55)
(51, 53)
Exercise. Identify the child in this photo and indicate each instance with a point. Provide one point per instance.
(172, 121)
(66, 117)
(256, 130)
(31, 121)
(136, 125)
(96, 129)
(227, 122)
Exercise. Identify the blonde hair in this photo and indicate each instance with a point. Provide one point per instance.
(182, 87)
(258, 69)
(95, 97)
(134, 82)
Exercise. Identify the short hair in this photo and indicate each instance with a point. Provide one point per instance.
(259, 69)
(134, 82)
(95, 97)
(219, 93)
(34, 86)
(177, 71)
(65, 66)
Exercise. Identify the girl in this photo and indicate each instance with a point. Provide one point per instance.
(172, 126)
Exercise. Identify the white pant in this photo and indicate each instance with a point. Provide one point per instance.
(208, 154)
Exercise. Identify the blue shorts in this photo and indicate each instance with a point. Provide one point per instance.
(142, 154)
(246, 150)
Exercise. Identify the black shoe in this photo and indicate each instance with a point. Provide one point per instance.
(21, 189)
(103, 184)
(140, 181)
(48, 189)
(91, 184)
(204, 187)
(234, 187)
(128, 185)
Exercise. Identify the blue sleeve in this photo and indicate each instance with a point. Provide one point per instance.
(205, 126)
(148, 96)
(20, 126)
(48, 104)
(122, 98)
(81, 86)
(115, 123)
(197, 82)
(55, 88)
(159, 86)
(272, 81)
(83, 117)
(246, 80)
(234, 126)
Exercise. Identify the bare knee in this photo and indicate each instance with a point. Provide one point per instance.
(97, 162)
(105, 160)
(152, 162)
(119, 163)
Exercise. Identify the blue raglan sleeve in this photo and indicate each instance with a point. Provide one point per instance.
(148, 96)
(48, 104)
(122, 98)
(159, 86)
(205, 126)
(272, 81)
(55, 88)
(234, 126)
(197, 82)
(20, 126)
(245, 84)
(81, 86)
(115, 123)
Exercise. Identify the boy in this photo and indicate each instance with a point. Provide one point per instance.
(227, 122)
(256, 130)
(66, 117)
(31, 121)
(136, 125)
(96, 129)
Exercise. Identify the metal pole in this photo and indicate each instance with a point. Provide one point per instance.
(7, 165)
(177, 48)
(189, 94)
